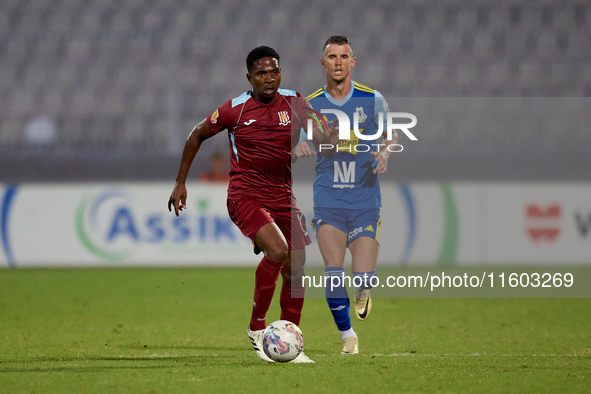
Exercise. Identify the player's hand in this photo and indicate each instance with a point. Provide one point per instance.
(333, 133)
(303, 150)
(382, 163)
(178, 198)
(330, 137)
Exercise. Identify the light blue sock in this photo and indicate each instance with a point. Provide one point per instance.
(337, 298)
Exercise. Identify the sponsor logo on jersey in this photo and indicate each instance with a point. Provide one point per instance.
(283, 118)
(214, 117)
(350, 145)
(250, 121)
(362, 116)
(355, 232)
(344, 174)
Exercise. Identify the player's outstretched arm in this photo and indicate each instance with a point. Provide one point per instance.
(178, 197)
(382, 156)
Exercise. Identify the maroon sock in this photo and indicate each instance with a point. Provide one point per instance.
(292, 302)
(266, 276)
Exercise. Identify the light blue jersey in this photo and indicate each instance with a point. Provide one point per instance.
(347, 180)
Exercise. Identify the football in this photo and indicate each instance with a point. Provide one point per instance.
(282, 341)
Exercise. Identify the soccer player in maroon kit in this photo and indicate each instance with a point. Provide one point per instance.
(263, 126)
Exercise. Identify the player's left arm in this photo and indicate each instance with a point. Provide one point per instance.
(302, 149)
(382, 156)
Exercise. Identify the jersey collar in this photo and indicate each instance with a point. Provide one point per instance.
(344, 101)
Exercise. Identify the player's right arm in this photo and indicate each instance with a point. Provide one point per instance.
(324, 138)
(325, 141)
(178, 197)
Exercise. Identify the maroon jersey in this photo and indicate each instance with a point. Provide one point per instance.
(261, 138)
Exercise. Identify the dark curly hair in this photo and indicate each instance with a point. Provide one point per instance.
(259, 53)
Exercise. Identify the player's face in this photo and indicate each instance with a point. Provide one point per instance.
(338, 60)
(265, 78)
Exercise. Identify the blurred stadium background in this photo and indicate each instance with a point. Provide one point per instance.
(108, 90)
(97, 98)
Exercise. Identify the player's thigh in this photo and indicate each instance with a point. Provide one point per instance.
(330, 226)
(364, 238)
(364, 253)
(332, 243)
(291, 223)
(250, 216)
(271, 241)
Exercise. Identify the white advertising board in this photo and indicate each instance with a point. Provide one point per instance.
(119, 224)
(538, 224)
(423, 224)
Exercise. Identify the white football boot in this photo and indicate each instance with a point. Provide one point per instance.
(256, 338)
(302, 358)
(350, 345)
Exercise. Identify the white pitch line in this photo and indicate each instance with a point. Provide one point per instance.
(463, 355)
(172, 357)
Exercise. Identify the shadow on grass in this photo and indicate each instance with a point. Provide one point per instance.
(185, 347)
(122, 363)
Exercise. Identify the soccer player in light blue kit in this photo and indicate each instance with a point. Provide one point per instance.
(346, 189)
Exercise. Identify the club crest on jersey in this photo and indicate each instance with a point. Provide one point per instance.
(283, 118)
(214, 117)
(361, 114)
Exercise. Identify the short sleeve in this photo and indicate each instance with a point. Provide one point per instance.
(380, 106)
(303, 111)
(221, 119)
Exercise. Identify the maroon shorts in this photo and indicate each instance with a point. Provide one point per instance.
(250, 215)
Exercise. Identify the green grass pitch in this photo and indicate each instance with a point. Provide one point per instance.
(184, 330)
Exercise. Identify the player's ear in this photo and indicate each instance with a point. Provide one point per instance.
(322, 62)
(248, 77)
(353, 62)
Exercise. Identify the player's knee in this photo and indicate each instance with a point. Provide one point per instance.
(333, 262)
(277, 251)
(278, 255)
